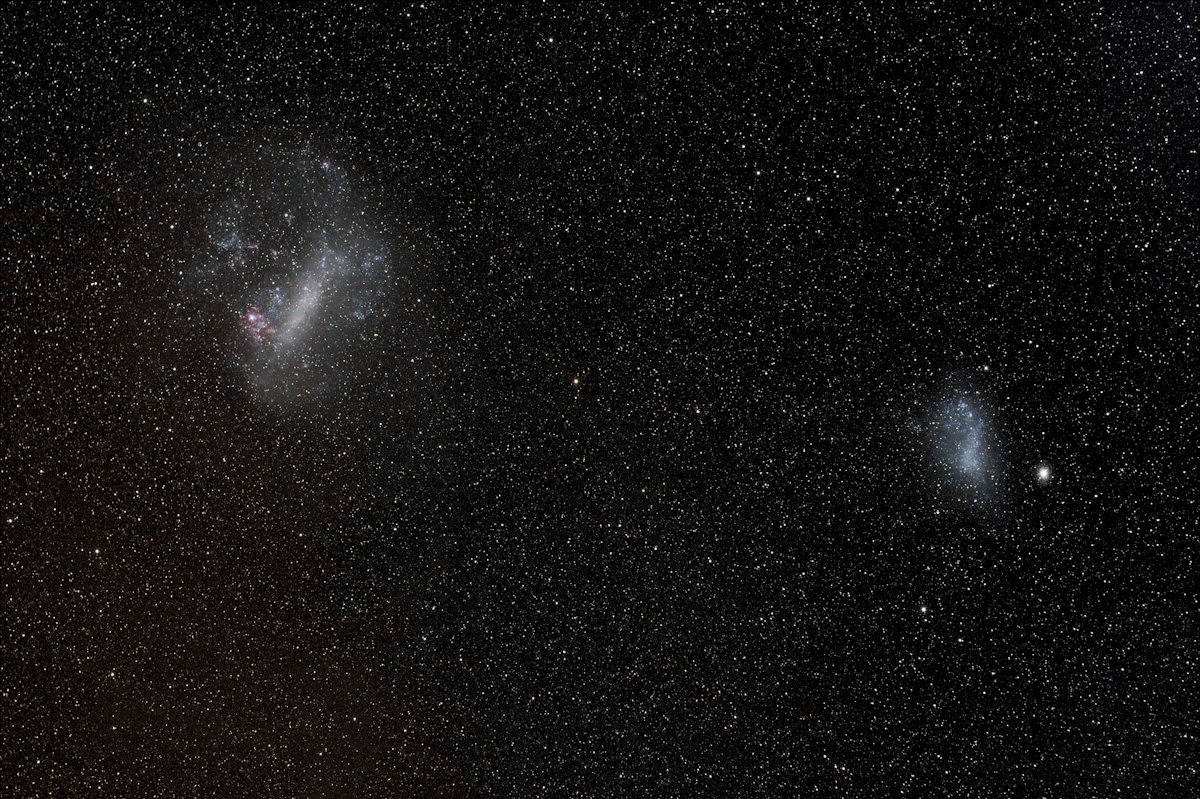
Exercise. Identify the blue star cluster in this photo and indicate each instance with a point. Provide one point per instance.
(961, 445)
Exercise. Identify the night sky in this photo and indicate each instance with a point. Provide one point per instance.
(712, 400)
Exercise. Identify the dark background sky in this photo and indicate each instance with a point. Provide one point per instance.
(641, 485)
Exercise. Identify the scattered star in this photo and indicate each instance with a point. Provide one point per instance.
(297, 505)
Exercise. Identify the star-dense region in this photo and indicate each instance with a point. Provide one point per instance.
(703, 400)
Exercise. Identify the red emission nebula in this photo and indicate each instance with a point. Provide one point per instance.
(255, 323)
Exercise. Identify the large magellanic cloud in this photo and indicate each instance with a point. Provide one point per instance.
(292, 262)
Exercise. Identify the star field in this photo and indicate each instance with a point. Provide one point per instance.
(709, 400)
